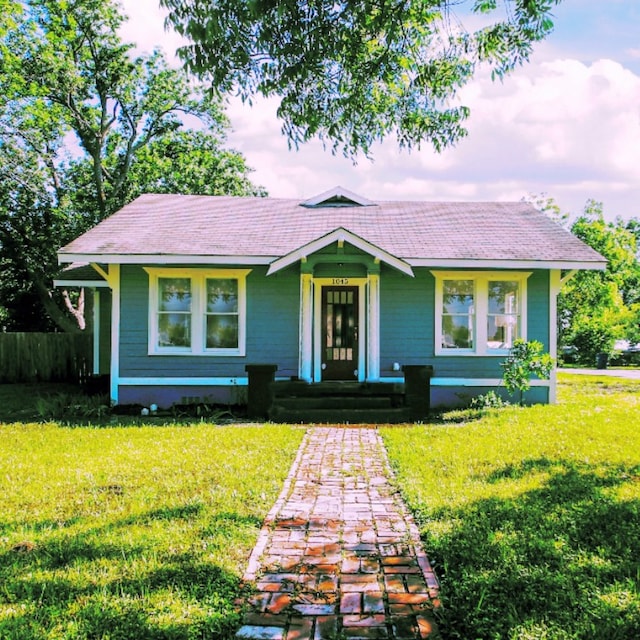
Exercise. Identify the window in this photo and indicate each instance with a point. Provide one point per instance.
(479, 313)
(197, 311)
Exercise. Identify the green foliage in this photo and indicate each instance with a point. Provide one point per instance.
(84, 128)
(525, 359)
(68, 407)
(597, 307)
(354, 72)
(532, 516)
(133, 531)
(489, 400)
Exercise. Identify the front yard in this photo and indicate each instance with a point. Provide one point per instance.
(131, 532)
(531, 517)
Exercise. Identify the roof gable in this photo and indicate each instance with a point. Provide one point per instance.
(340, 235)
(338, 197)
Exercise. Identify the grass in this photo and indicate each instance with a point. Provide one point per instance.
(131, 532)
(532, 515)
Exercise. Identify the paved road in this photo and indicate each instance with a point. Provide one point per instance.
(629, 374)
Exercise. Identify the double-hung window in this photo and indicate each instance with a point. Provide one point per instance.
(197, 311)
(479, 313)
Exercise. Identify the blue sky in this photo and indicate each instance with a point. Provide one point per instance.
(566, 125)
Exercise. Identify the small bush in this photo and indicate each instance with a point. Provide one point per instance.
(489, 400)
(65, 406)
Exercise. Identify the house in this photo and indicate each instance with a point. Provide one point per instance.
(195, 290)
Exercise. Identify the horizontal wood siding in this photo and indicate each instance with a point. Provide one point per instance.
(407, 326)
(272, 329)
(406, 319)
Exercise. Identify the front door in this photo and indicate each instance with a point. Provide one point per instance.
(339, 333)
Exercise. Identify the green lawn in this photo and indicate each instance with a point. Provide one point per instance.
(532, 515)
(131, 532)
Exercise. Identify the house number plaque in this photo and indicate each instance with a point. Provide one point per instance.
(340, 281)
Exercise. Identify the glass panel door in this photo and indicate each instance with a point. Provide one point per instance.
(339, 333)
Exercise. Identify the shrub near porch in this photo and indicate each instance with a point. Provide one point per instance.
(131, 532)
(531, 516)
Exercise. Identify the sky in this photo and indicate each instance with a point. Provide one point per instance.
(566, 125)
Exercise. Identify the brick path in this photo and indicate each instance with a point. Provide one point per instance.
(339, 555)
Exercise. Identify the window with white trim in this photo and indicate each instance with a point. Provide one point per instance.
(197, 311)
(479, 312)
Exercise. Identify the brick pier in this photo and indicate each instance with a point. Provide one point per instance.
(339, 555)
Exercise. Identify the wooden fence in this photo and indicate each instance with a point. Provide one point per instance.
(45, 357)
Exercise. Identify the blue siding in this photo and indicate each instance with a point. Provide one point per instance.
(407, 326)
(272, 329)
(407, 330)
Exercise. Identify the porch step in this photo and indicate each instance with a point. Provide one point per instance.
(346, 403)
(338, 402)
(298, 388)
(387, 415)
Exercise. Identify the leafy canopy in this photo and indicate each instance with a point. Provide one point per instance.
(355, 71)
(84, 128)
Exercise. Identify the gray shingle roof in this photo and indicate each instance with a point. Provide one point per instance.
(180, 225)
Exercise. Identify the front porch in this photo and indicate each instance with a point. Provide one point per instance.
(339, 402)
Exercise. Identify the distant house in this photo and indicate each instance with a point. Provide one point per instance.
(193, 289)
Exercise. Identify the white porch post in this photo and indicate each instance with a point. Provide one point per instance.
(306, 327)
(554, 289)
(114, 283)
(373, 328)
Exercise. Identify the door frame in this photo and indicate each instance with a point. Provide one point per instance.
(363, 325)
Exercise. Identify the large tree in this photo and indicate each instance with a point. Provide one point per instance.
(84, 127)
(355, 71)
(597, 307)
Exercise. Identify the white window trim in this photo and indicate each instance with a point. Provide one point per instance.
(198, 279)
(481, 281)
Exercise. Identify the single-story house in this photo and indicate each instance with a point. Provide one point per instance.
(194, 290)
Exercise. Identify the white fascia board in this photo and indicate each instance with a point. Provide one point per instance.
(115, 258)
(340, 235)
(87, 284)
(503, 264)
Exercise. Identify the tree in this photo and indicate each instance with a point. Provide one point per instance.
(525, 359)
(79, 118)
(598, 307)
(354, 71)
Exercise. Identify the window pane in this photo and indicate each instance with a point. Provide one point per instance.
(502, 330)
(457, 296)
(457, 332)
(174, 294)
(222, 296)
(222, 332)
(503, 297)
(174, 330)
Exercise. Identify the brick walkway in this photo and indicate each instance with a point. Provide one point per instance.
(339, 555)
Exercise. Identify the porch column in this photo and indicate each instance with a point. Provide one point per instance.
(373, 328)
(306, 327)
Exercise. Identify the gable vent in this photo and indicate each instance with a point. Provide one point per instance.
(338, 197)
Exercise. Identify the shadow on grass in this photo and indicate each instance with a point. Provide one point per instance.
(89, 585)
(558, 562)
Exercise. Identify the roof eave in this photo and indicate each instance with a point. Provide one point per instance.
(151, 258)
(489, 263)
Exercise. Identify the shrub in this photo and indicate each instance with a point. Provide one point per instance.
(489, 400)
(524, 360)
